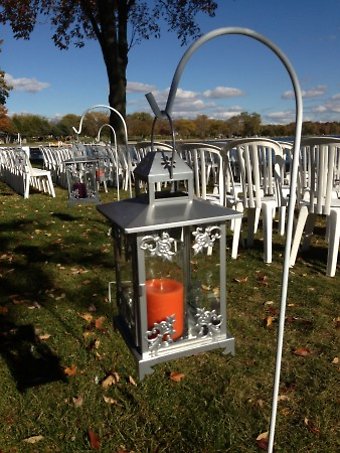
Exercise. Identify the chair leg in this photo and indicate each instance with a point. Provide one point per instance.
(282, 220)
(268, 210)
(50, 185)
(251, 218)
(300, 225)
(237, 233)
(333, 244)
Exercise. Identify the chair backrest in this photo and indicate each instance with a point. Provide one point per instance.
(259, 162)
(142, 148)
(319, 172)
(207, 164)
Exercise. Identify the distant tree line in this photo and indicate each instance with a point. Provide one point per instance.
(38, 128)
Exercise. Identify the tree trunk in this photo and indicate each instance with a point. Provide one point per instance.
(114, 45)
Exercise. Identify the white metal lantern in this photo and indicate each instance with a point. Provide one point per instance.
(82, 180)
(170, 261)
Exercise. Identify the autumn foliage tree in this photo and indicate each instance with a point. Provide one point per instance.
(115, 24)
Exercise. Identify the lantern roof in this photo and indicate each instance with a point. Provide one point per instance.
(164, 169)
(133, 215)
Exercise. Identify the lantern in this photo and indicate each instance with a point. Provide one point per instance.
(82, 179)
(170, 263)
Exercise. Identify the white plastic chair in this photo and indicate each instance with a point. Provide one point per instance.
(259, 164)
(36, 177)
(319, 194)
(207, 165)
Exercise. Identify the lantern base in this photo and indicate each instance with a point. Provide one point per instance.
(181, 348)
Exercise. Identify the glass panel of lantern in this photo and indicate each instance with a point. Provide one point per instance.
(81, 180)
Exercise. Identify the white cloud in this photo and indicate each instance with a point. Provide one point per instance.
(311, 93)
(26, 84)
(280, 117)
(139, 87)
(223, 92)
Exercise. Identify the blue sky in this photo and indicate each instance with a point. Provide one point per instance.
(226, 76)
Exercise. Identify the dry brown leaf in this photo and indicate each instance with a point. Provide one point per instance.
(337, 322)
(87, 316)
(3, 310)
(70, 370)
(132, 381)
(241, 279)
(268, 321)
(176, 376)
(94, 440)
(283, 398)
(99, 322)
(108, 381)
(262, 441)
(206, 287)
(86, 282)
(78, 401)
(262, 279)
(116, 376)
(44, 336)
(302, 352)
(33, 439)
(335, 360)
(311, 426)
(109, 400)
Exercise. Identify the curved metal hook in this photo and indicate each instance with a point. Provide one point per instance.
(292, 198)
(112, 130)
(100, 106)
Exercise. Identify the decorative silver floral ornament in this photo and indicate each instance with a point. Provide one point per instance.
(160, 335)
(205, 239)
(159, 246)
(208, 323)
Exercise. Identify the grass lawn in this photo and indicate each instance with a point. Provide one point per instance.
(69, 383)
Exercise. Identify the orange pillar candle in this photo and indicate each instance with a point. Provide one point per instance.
(165, 298)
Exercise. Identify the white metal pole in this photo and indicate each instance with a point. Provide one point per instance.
(298, 119)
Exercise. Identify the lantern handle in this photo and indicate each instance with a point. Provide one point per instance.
(168, 116)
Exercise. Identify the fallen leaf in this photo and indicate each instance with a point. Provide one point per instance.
(94, 440)
(44, 336)
(337, 322)
(241, 279)
(70, 370)
(87, 316)
(176, 377)
(335, 360)
(33, 439)
(283, 398)
(132, 381)
(311, 426)
(3, 310)
(108, 381)
(268, 321)
(99, 322)
(302, 352)
(109, 400)
(262, 279)
(78, 401)
(116, 376)
(92, 308)
(262, 441)
(206, 287)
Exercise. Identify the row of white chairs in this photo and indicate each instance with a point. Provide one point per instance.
(253, 175)
(113, 167)
(17, 171)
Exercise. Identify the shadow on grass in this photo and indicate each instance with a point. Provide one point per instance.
(30, 361)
